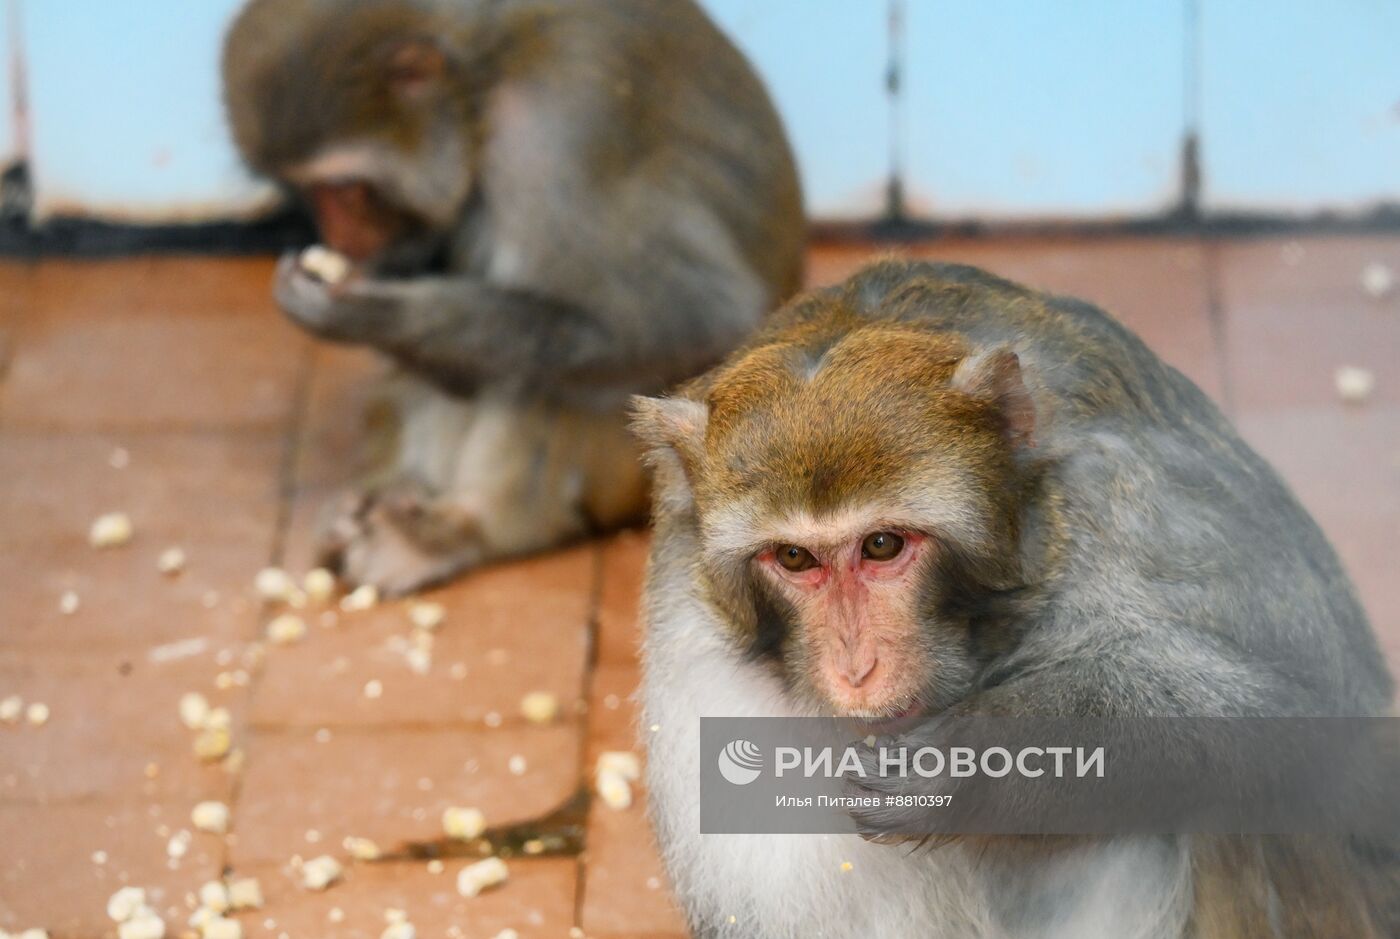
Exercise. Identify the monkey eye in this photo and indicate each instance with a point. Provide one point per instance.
(795, 558)
(881, 546)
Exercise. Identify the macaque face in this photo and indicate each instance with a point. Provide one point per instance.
(856, 498)
(855, 595)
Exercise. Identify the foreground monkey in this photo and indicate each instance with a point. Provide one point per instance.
(929, 491)
(548, 206)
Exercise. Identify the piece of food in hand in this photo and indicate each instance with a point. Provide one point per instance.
(329, 266)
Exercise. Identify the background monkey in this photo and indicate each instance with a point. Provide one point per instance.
(548, 206)
(930, 491)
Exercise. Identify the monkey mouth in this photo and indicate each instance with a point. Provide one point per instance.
(892, 722)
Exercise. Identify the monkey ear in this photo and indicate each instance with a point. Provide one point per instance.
(995, 376)
(676, 425)
(416, 67)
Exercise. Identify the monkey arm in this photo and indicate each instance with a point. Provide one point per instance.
(462, 329)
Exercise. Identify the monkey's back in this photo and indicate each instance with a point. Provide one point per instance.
(1180, 522)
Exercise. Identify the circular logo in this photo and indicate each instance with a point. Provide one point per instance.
(740, 762)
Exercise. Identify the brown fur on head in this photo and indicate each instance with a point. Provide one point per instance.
(365, 107)
(831, 427)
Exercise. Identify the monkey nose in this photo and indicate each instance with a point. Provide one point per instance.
(857, 668)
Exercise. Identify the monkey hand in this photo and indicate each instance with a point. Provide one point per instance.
(902, 806)
(355, 309)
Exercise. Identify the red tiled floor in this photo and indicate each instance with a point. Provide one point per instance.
(236, 428)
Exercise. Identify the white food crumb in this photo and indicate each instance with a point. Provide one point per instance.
(575, 933)
(99, 858)
(37, 714)
(539, 707)
(463, 823)
(436, 866)
(492, 719)
(319, 584)
(420, 661)
(1354, 383)
(214, 896)
(614, 789)
(362, 597)
(171, 561)
(480, 876)
(245, 894)
(125, 903)
(336, 915)
(362, 849)
(516, 764)
(1377, 279)
(847, 867)
(319, 873)
(374, 688)
(34, 933)
(110, 530)
(623, 762)
(217, 719)
(506, 934)
(68, 603)
(402, 930)
(211, 817)
(533, 846)
(328, 265)
(145, 924)
(286, 629)
(11, 708)
(275, 585)
(427, 615)
(220, 928)
(212, 744)
(178, 845)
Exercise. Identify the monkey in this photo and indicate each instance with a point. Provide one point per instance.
(927, 492)
(544, 207)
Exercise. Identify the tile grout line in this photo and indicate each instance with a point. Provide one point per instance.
(286, 490)
(590, 674)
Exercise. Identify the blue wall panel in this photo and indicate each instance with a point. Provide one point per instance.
(1301, 103)
(1022, 108)
(823, 61)
(127, 120)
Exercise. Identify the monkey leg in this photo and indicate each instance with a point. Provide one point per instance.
(479, 480)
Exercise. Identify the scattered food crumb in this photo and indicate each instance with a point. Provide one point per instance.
(110, 530)
(211, 817)
(436, 866)
(214, 896)
(11, 708)
(1377, 280)
(539, 707)
(146, 924)
(275, 585)
(463, 823)
(319, 873)
(1354, 383)
(492, 719)
(286, 629)
(420, 660)
(120, 458)
(194, 710)
(125, 903)
(516, 764)
(653, 883)
(212, 744)
(68, 603)
(426, 615)
(484, 874)
(623, 762)
(362, 597)
(847, 866)
(218, 927)
(245, 894)
(362, 849)
(533, 846)
(99, 858)
(655, 728)
(178, 845)
(614, 789)
(374, 688)
(506, 934)
(319, 585)
(336, 915)
(171, 561)
(37, 714)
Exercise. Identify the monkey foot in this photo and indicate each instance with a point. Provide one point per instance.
(398, 542)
